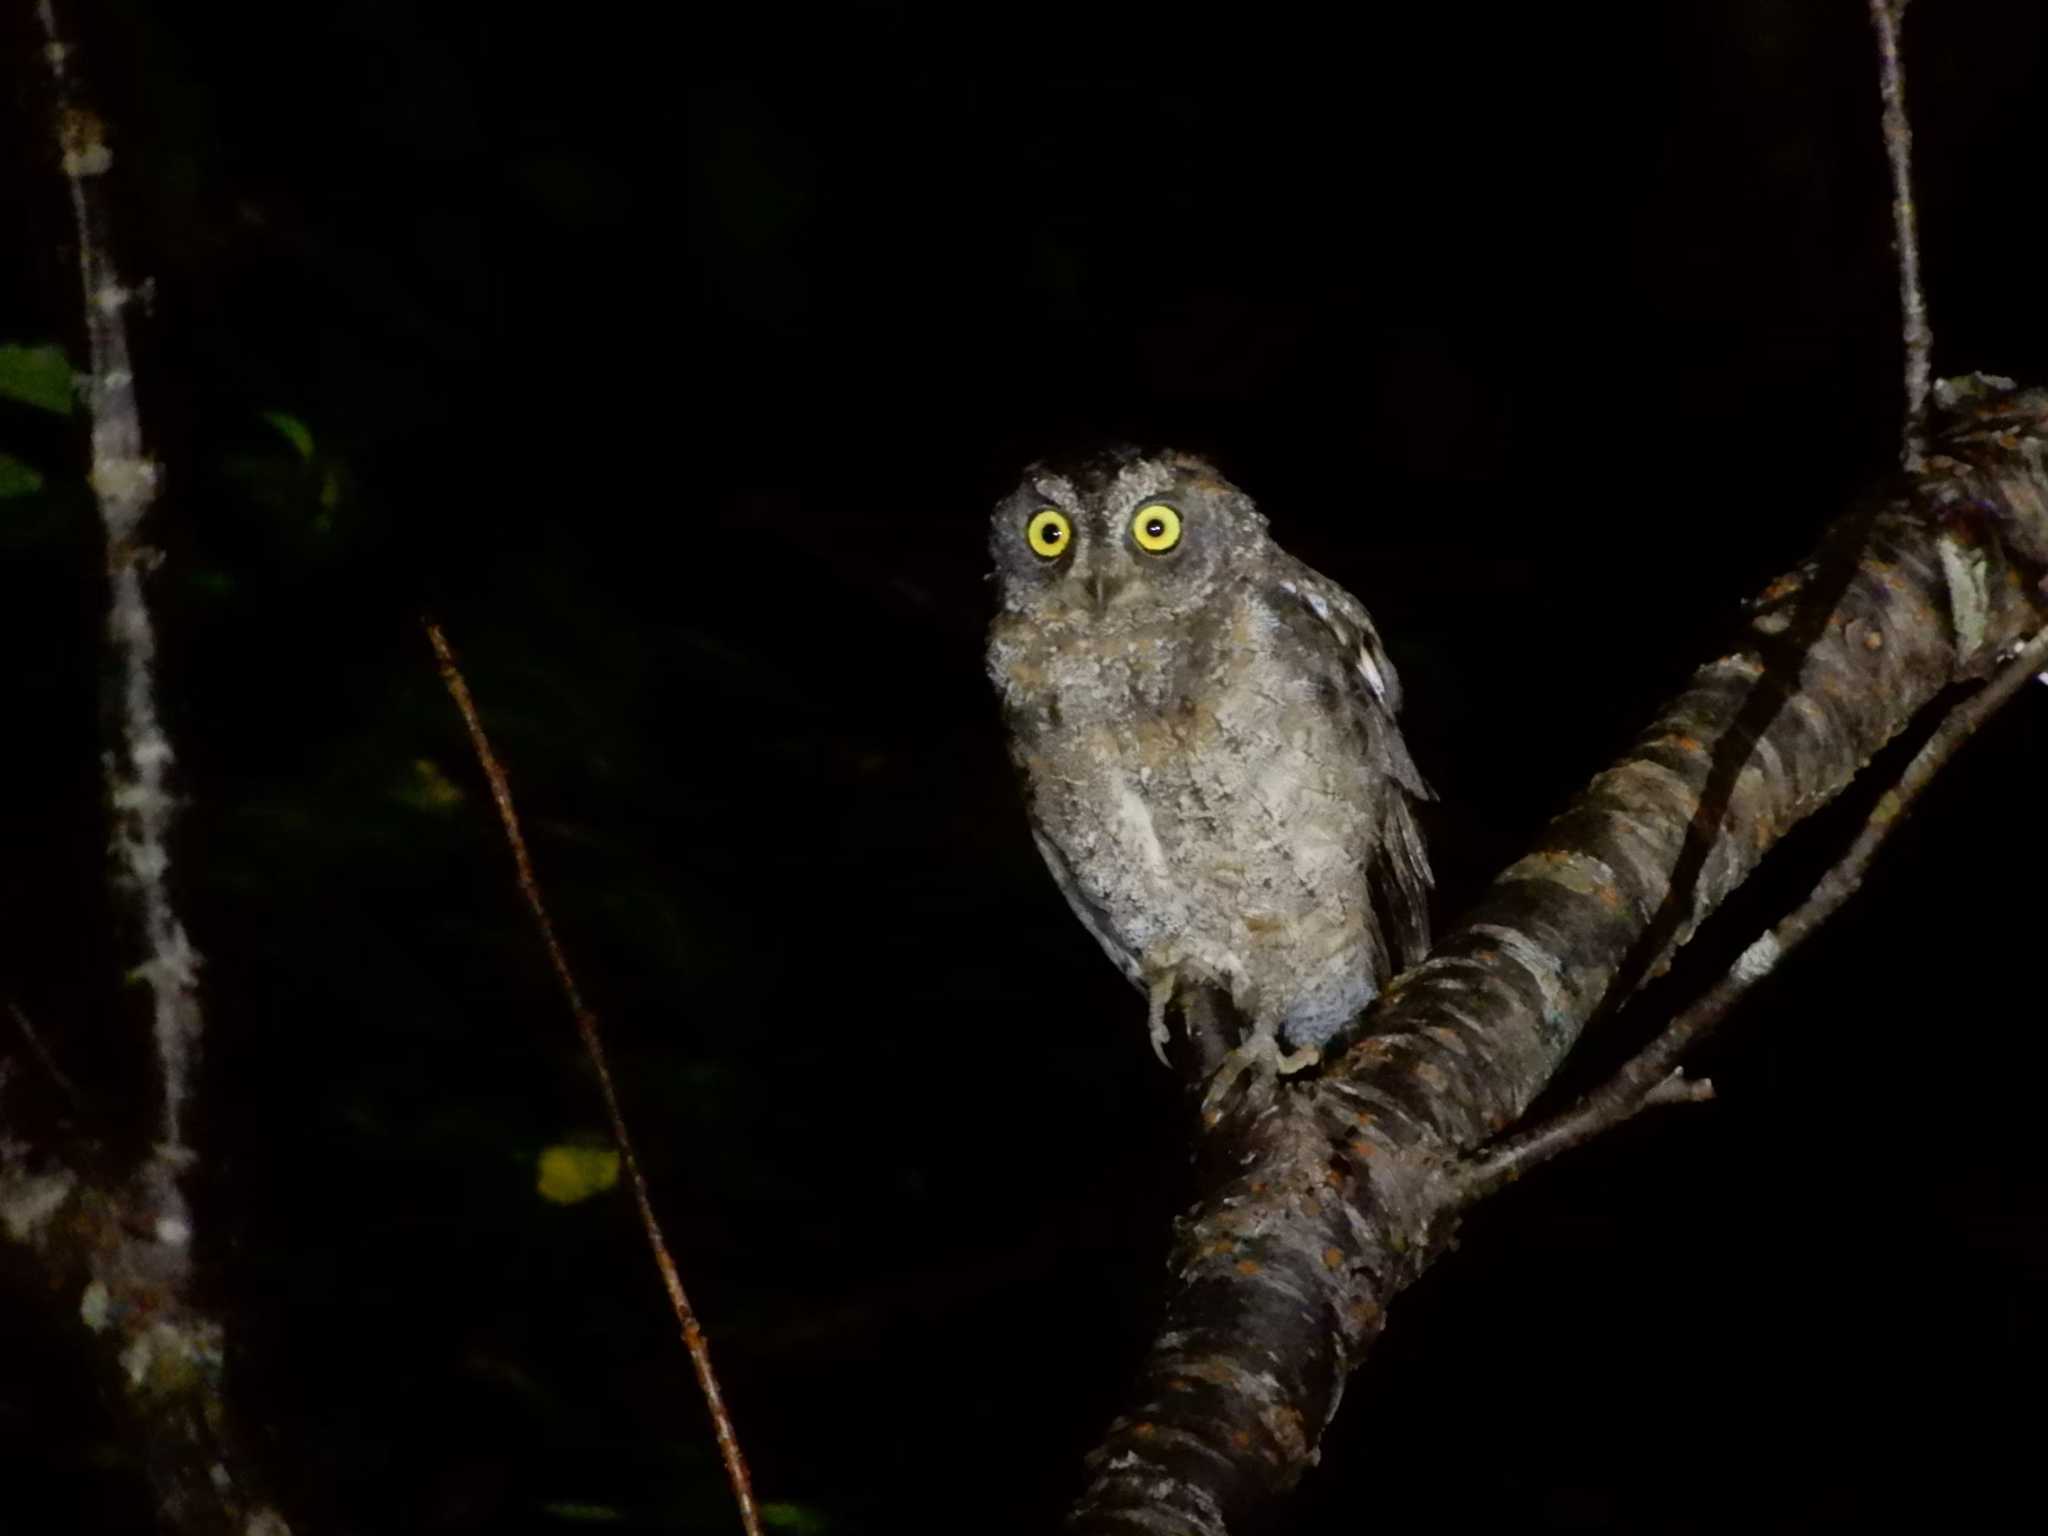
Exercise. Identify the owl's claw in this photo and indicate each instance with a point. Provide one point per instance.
(1260, 1049)
(1287, 1063)
(1161, 993)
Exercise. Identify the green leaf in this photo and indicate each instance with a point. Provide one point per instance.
(796, 1518)
(429, 789)
(17, 478)
(293, 430)
(585, 1513)
(570, 1173)
(38, 376)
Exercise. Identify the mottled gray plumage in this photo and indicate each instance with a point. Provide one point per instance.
(1207, 741)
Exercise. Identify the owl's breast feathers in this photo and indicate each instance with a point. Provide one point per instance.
(1226, 795)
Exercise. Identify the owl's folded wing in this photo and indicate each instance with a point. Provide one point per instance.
(1397, 874)
(1085, 909)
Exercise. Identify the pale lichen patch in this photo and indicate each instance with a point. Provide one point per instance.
(28, 1201)
(1969, 595)
(1759, 959)
(96, 1307)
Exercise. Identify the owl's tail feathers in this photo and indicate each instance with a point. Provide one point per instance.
(1399, 882)
(1400, 765)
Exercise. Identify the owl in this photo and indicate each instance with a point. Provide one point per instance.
(1205, 732)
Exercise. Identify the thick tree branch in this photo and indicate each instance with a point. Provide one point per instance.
(1323, 1200)
(1652, 1076)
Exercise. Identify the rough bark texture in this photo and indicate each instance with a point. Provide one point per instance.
(97, 1246)
(1326, 1198)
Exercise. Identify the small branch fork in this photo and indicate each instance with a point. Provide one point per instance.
(1336, 1194)
(1654, 1076)
(1344, 1190)
(1885, 19)
(593, 1045)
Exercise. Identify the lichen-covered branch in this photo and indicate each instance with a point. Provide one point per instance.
(124, 483)
(117, 1243)
(1325, 1199)
(93, 1237)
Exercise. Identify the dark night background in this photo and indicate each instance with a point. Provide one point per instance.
(673, 358)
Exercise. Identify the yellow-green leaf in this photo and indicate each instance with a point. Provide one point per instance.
(39, 376)
(429, 789)
(570, 1173)
(17, 478)
(798, 1519)
(293, 431)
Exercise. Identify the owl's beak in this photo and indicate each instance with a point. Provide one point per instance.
(1101, 587)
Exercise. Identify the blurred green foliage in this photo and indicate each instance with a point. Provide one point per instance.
(37, 375)
(40, 377)
(17, 478)
(568, 1173)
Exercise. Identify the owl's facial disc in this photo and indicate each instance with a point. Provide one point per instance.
(1121, 539)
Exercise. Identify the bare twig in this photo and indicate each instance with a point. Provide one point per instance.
(35, 1043)
(586, 1026)
(1652, 1077)
(1885, 18)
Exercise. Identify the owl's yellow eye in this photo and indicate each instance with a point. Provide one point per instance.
(1049, 533)
(1156, 528)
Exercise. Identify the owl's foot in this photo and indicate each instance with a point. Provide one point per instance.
(1160, 994)
(1261, 1050)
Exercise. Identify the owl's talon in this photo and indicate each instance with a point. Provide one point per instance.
(1290, 1062)
(1160, 993)
(1261, 1049)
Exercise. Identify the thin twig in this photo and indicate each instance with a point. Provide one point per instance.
(586, 1026)
(1653, 1076)
(1885, 17)
(35, 1043)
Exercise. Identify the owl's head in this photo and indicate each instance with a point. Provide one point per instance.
(1122, 535)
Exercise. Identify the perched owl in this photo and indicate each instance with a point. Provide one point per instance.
(1205, 732)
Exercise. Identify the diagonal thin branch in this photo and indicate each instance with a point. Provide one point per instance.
(1651, 1075)
(1885, 18)
(593, 1045)
(44, 1055)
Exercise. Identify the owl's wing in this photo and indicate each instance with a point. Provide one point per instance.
(1091, 916)
(1397, 874)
